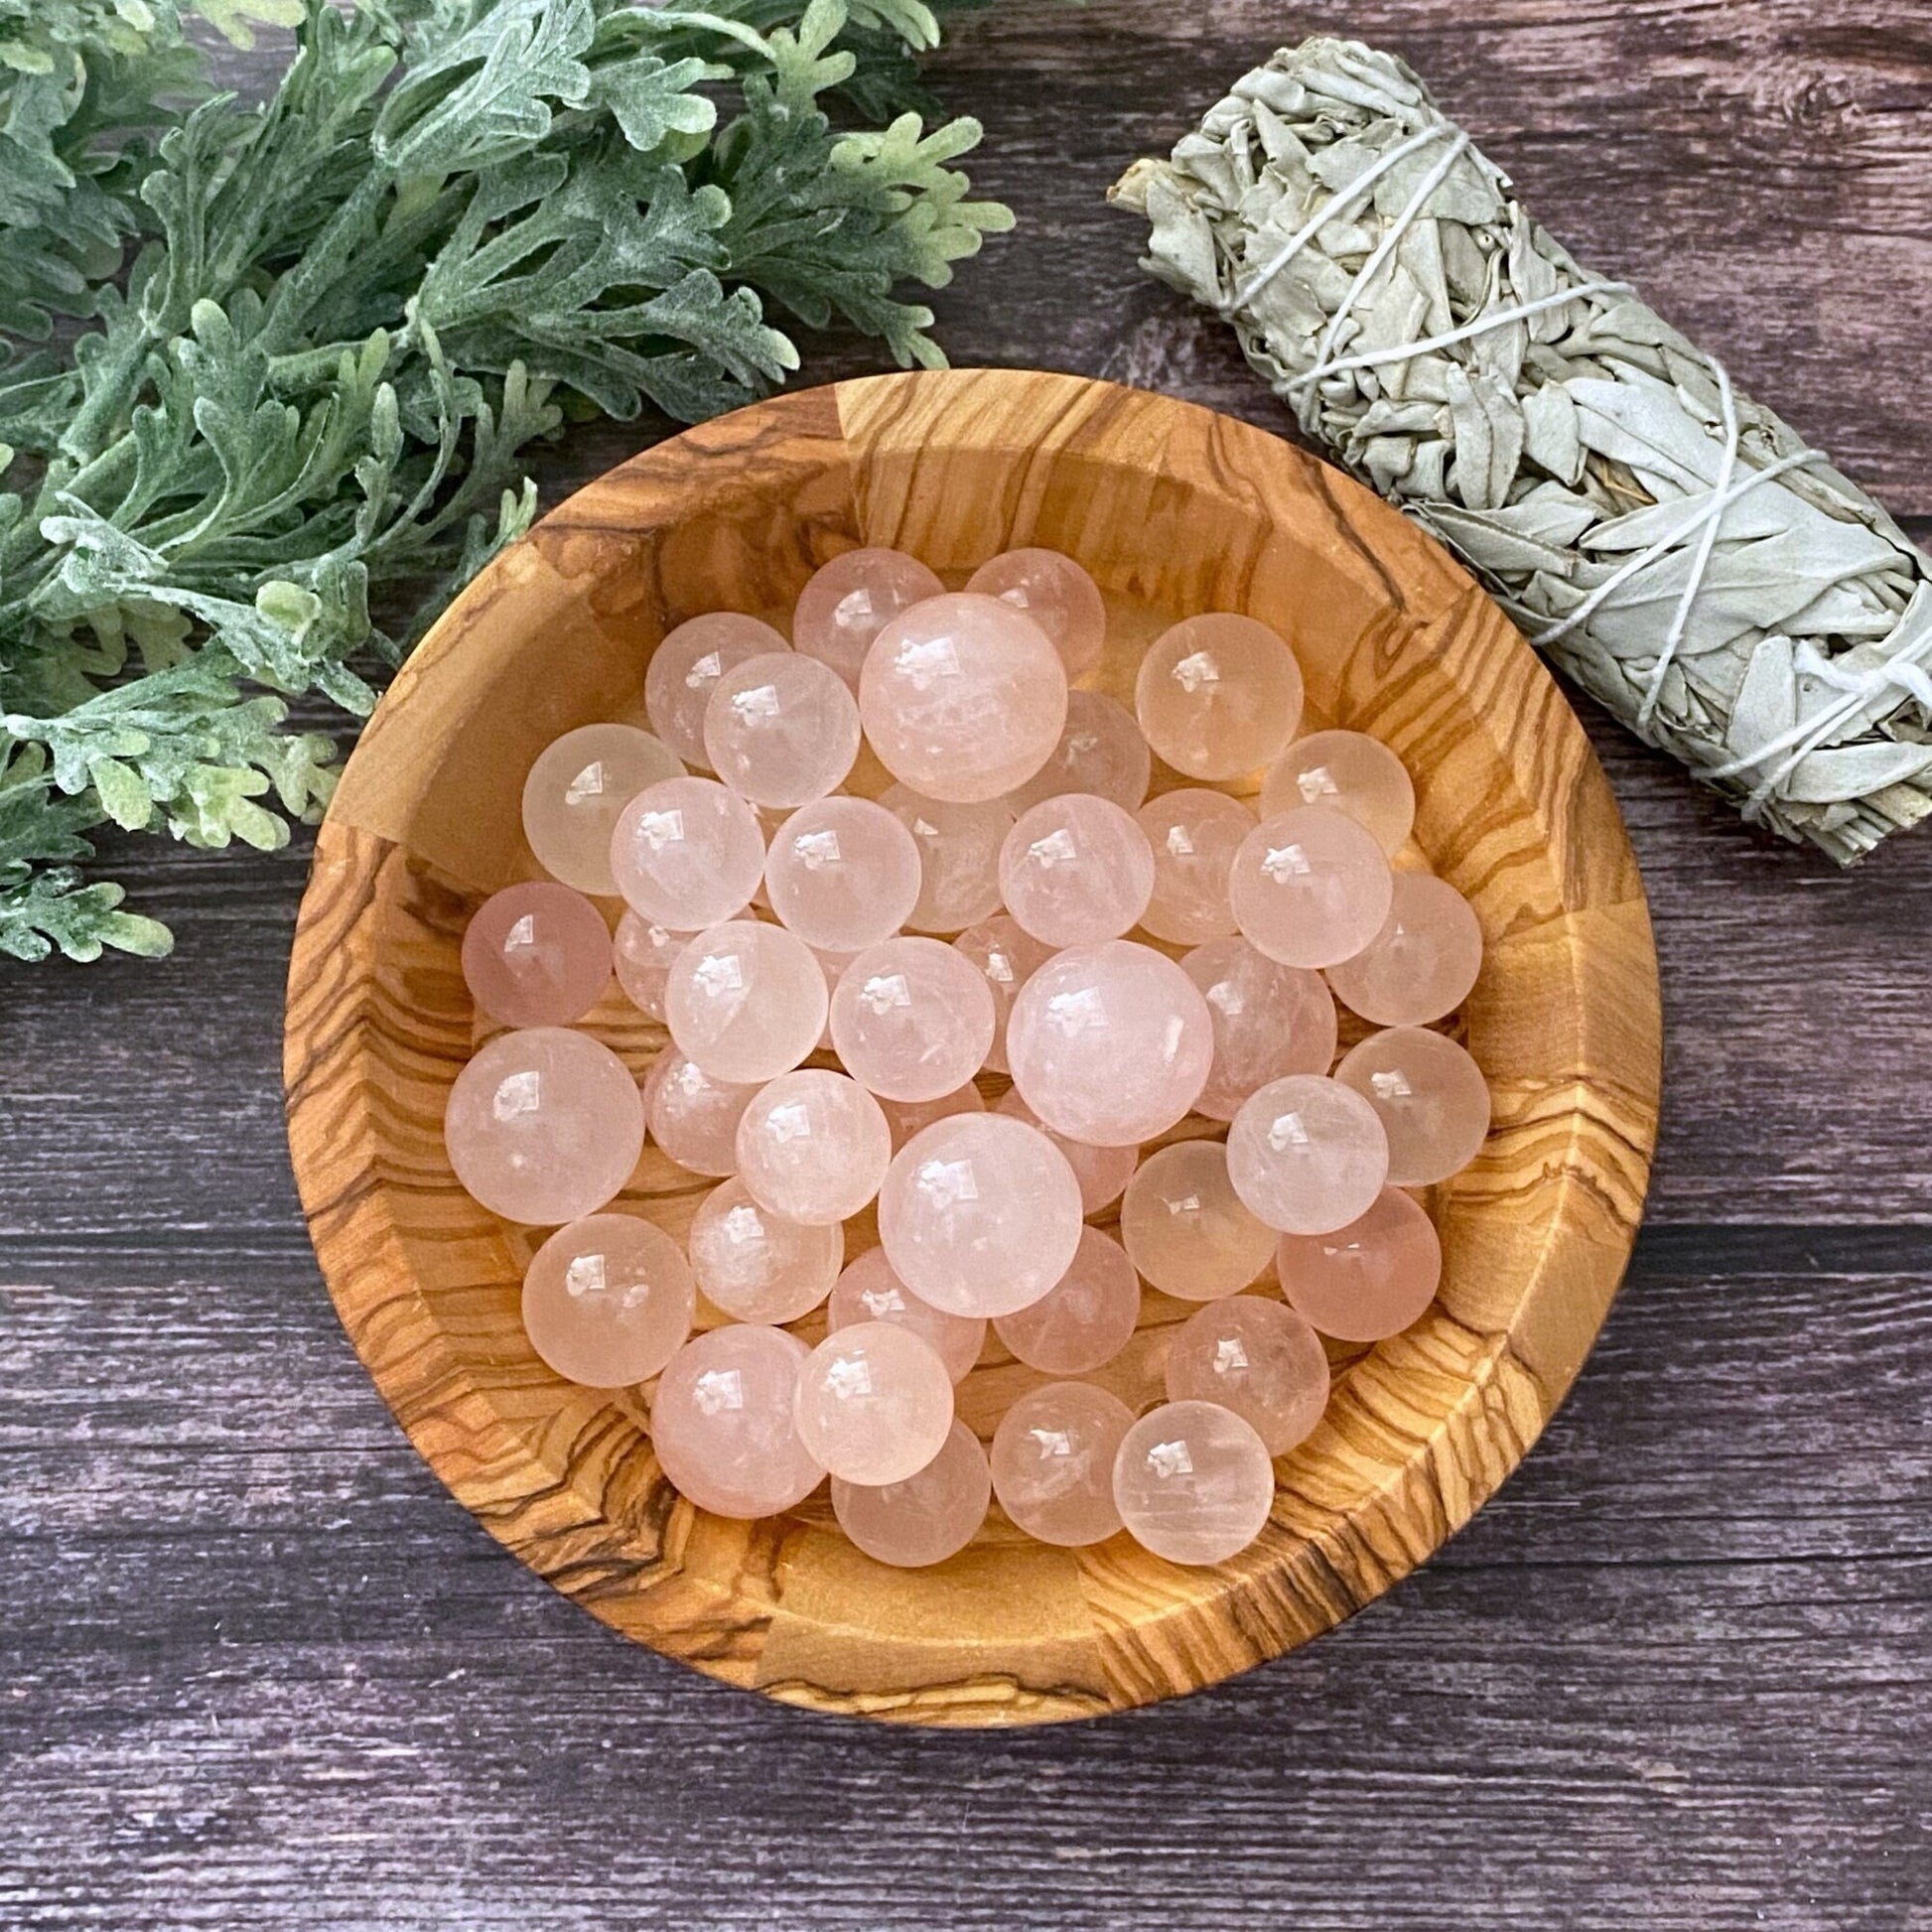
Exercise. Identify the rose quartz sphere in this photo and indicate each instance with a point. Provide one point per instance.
(929, 1516)
(1186, 1231)
(607, 1300)
(874, 1403)
(1270, 1020)
(980, 1215)
(1006, 956)
(1102, 1171)
(687, 854)
(1100, 750)
(643, 951)
(963, 697)
(1056, 594)
(911, 1020)
(1193, 836)
(692, 1117)
(1218, 696)
(1110, 1043)
(1307, 1153)
(842, 874)
(1371, 1278)
(745, 1000)
(575, 791)
(536, 955)
(1424, 962)
(850, 600)
(1349, 773)
(813, 1145)
(1194, 1483)
(1430, 1096)
(1075, 870)
(722, 1426)
(544, 1124)
(1309, 887)
(1053, 1463)
(869, 1291)
(757, 1266)
(685, 668)
(1258, 1358)
(1085, 1319)
(906, 1117)
(959, 858)
(781, 730)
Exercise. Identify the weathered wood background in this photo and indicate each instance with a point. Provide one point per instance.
(257, 1667)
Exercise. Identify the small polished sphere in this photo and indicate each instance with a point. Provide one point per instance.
(685, 668)
(1110, 1043)
(1053, 1463)
(1006, 956)
(980, 1215)
(813, 1145)
(1186, 1231)
(1075, 870)
(1349, 773)
(576, 788)
(722, 1423)
(911, 1020)
(692, 1117)
(745, 1000)
(687, 854)
(1085, 1319)
(757, 1265)
(1371, 1278)
(1102, 1171)
(850, 600)
(1307, 1153)
(959, 858)
(1056, 594)
(1258, 1358)
(536, 955)
(1100, 750)
(1309, 887)
(642, 952)
(1431, 1097)
(931, 1515)
(544, 1124)
(875, 1403)
(1424, 962)
(1270, 1020)
(1194, 1483)
(842, 874)
(1193, 836)
(906, 1117)
(1218, 695)
(963, 697)
(607, 1300)
(781, 730)
(869, 1291)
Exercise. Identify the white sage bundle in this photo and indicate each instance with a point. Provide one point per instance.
(1673, 545)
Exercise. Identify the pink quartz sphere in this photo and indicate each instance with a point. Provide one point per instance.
(757, 1266)
(959, 858)
(1371, 1278)
(963, 697)
(781, 730)
(911, 1020)
(692, 1117)
(929, 1516)
(685, 668)
(869, 1291)
(1085, 1319)
(643, 951)
(722, 1423)
(813, 1145)
(1424, 962)
(536, 955)
(842, 874)
(1349, 773)
(1053, 1463)
(850, 600)
(1100, 750)
(1307, 1153)
(607, 1300)
(1194, 1483)
(1309, 887)
(980, 1215)
(1186, 1231)
(1258, 1358)
(544, 1124)
(1430, 1096)
(874, 1403)
(745, 1000)
(575, 791)
(1193, 836)
(1270, 1020)
(1110, 1043)
(687, 854)
(906, 1117)
(1102, 1171)
(1218, 696)
(1056, 594)
(1006, 956)
(1075, 870)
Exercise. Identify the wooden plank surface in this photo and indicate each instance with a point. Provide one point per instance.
(259, 1669)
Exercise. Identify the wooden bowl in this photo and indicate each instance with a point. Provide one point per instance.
(1173, 510)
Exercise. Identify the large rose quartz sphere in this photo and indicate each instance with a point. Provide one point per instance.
(1258, 1358)
(745, 1000)
(1270, 1020)
(1193, 836)
(1076, 870)
(1194, 1483)
(1085, 1319)
(1006, 956)
(959, 858)
(929, 1516)
(1308, 1154)
(757, 1266)
(874, 1403)
(780, 730)
(685, 668)
(911, 1020)
(1424, 962)
(536, 955)
(1218, 695)
(1053, 1463)
(963, 697)
(607, 1300)
(1100, 750)
(869, 1291)
(1430, 1096)
(576, 788)
(687, 854)
(842, 874)
(813, 1145)
(692, 1117)
(1186, 1231)
(1369, 1279)
(1102, 1171)
(1056, 594)
(1310, 887)
(722, 1423)
(850, 600)
(1349, 773)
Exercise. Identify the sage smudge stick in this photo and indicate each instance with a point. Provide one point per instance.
(1673, 545)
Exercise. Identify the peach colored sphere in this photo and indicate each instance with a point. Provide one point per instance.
(1076, 870)
(813, 1145)
(536, 955)
(1194, 1483)
(874, 1403)
(1218, 695)
(607, 1300)
(745, 1000)
(869, 1291)
(757, 1265)
(687, 854)
(959, 858)
(722, 1426)
(906, 1117)
(1307, 1153)
(1424, 962)
(1371, 1278)
(1006, 956)
(643, 951)
(1053, 1463)
(1258, 1358)
(911, 1020)
(575, 791)
(1430, 1096)
(1102, 1171)
(929, 1516)
(1270, 1020)
(1349, 773)
(850, 601)
(1186, 1231)
(842, 874)
(685, 668)
(781, 730)
(692, 1117)
(1193, 836)
(1100, 750)
(1309, 887)
(1059, 597)
(1085, 1319)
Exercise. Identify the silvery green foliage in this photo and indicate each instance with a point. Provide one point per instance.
(1566, 455)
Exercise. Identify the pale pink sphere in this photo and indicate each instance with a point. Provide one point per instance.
(1430, 1096)
(781, 730)
(931, 1515)
(757, 1265)
(1053, 1463)
(869, 1291)
(687, 854)
(575, 791)
(1056, 594)
(684, 669)
(544, 1124)
(1110, 1043)
(875, 1403)
(1371, 1278)
(1424, 962)
(959, 858)
(1349, 773)
(1218, 695)
(911, 1020)
(813, 1145)
(1100, 750)
(1006, 956)
(1258, 1358)
(1075, 870)
(1085, 1319)
(1102, 1171)
(745, 1000)
(1309, 887)
(906, 1117)
(1270, 1020)
(607, 1300)
(850, 600)
(963, 697)
(842, 874)
(642, 952)
(1194, 1483)
(1193, 836)
(536, 955)
(1186, 1231)
(722, 1423)
(980, 1215)
(1308, 1154)
(692, 1117)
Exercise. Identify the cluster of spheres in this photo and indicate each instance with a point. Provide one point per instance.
(1156, 976)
